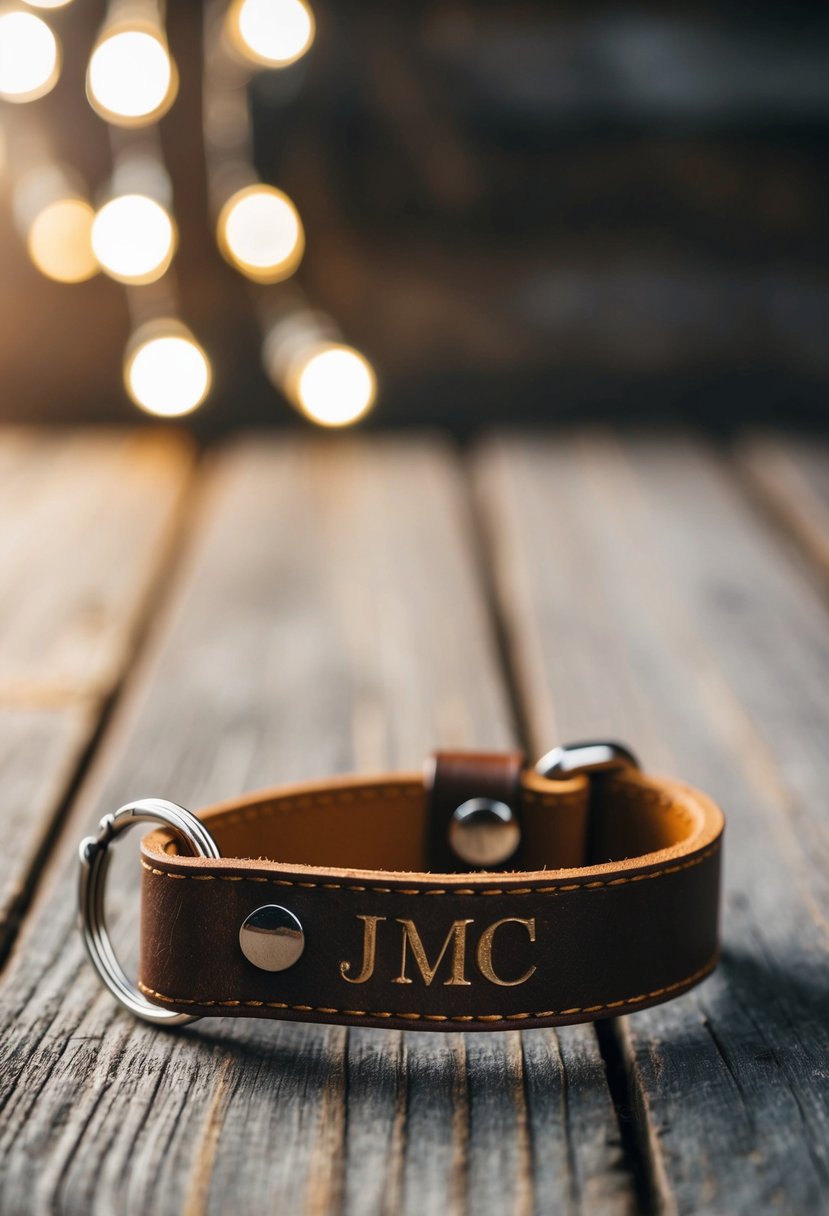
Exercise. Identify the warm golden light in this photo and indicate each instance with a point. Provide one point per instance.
(133, 238)
(271, 33)
(131, 77)
(48, 3)
(166, 371)
(336, 385)
(29, 57)
(59, 241)
(261, 234)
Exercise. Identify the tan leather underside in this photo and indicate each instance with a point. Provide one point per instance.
(373, 827)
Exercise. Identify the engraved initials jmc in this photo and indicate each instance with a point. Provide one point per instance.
(454, 946)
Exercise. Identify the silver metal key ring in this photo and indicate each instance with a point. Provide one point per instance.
(94, 858)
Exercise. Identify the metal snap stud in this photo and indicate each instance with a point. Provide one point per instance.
(272, 938)
(484, 832)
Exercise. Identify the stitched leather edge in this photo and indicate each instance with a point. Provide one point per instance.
(379, 794)
(438, 1017)
(543, 890)
(273, 800)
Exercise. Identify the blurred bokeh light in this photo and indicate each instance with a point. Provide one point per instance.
(59, 241)
(133, 238)
(335, 386)
(131, 78)
(166, 371)
(271, 33)
(29, 56)
(260, 232)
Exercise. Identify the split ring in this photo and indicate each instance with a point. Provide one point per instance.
(94, 858)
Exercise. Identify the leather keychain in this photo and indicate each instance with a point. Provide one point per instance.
(488, 896)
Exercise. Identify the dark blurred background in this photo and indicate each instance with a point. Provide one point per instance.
(517, 211)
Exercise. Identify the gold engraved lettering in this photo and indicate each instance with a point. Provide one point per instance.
(456, 937)
(484, 955)
(369, 952)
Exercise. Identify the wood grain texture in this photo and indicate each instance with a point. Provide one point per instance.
(645, 597)
(86, 523)
(327, 616)
(790, 478)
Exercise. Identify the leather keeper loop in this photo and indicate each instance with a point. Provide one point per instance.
(454, 778)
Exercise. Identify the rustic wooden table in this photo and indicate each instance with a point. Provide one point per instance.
(284, 608)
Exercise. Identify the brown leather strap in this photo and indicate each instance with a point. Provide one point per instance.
(570, 937)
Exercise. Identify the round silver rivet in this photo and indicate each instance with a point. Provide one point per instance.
(484, 832)
(272, 938)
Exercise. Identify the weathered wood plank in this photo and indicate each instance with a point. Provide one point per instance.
(791, 476)
(645, 598)
(82, 518)
(86, 521)
(328, 616)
